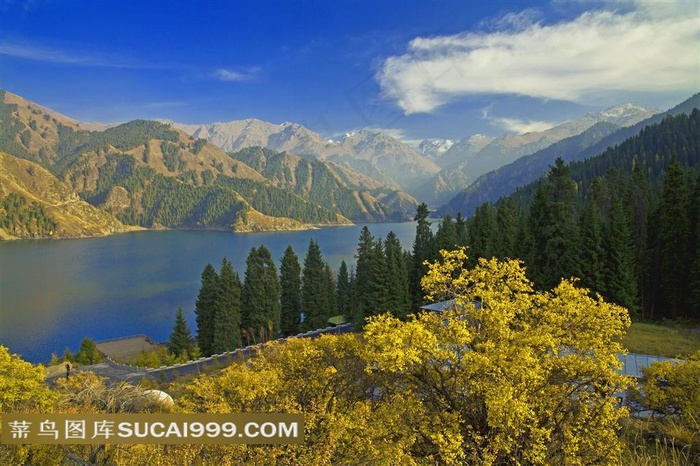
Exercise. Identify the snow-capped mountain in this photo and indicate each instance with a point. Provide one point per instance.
(373, 154)
(433, 149)
(464, 149)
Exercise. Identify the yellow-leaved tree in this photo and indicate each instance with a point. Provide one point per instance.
(509, 375)
(22, 390)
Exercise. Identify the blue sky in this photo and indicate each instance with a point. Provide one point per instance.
(416, 69)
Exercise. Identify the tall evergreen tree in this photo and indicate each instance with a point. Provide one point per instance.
(461, 230)
(329, 279)
(507, 225)
(592, 250)
(205, 309)
(446, 236)
(260, 317)
(483, 233)
(423, 250)
(639, 207)
(619, 275)
(314, 289)
(379, 299)
(694, 281)
(399, 298)
(180, 341)
(674, 233)
(363, 275)
(342, 290)
(555, 228)
(290, 299)
(227, 325)
(523, 240)
(537, 221)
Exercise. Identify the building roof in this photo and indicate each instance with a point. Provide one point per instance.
(439, 306)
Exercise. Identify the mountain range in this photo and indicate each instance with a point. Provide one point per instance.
(148, 174)
(250, 175)
(374, 154)
(433, 173)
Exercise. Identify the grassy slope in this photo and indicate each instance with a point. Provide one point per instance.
(662, 340)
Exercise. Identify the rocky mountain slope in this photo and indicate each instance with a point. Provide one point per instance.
(328, 185)
(29, 190)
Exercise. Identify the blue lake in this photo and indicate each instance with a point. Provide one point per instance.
(55, 292)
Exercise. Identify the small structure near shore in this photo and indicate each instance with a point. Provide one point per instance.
(126, 348)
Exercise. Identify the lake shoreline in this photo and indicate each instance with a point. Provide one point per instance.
(6, 237)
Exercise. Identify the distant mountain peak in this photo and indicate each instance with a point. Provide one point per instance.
(433, 149)
(627, 114)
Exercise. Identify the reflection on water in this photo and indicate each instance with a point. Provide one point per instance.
(54, 293)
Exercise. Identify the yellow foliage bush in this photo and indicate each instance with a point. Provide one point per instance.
(674, 388)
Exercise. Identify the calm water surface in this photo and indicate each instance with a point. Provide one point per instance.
(54, 293)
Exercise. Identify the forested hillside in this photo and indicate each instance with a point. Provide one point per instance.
(35, 204)
(327, 185)
(626, 222)
(148, 174)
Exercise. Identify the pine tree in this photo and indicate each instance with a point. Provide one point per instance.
(555, 229)
(379, 299)
(260, 316)
(619, 274)
(638, 205)
(399, 301)
(314, 289)
(461, 230)
(523, 240)
(446, 236)
(507, 225)
(227, 325)
(483, 233)
(87, 353)
(363, 276)
(674, 231)
(694, 280)
(290, 298)
(423, 250)
(180, 341)
(592, 251)
(329, 289)
(537, 221)
(205, 309)
(342, 290)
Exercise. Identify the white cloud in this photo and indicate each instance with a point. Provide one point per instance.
(514, 125)
(30, 52)
(240, 75)
(71, 56)
(396, 133)
(654, 48)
